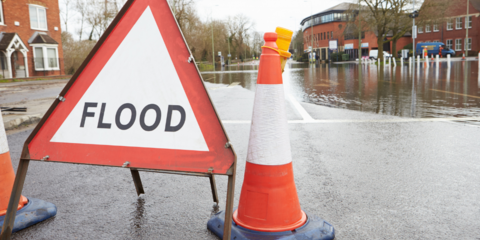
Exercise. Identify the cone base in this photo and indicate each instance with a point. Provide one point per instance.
(314, 228)
(291, 227)
(33, 212)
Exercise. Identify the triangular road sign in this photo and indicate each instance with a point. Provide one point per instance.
(138, 99)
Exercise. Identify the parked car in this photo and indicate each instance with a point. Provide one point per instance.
(433, 48)
(374, 54)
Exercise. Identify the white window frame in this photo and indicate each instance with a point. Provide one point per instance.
(38, 19)
(435, 27)
(458, 44)
(44, 47)
(450, 24)
(468, 20)
(427, 28)
(2, 20)
(420, 29)
(435, 41)
(450, 46)
(468, 41)
(458, 23)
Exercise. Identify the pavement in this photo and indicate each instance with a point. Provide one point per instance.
(36, 96)
(371, 176)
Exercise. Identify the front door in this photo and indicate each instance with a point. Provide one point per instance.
(18, 65)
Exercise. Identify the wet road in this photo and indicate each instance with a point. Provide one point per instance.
(373, 176)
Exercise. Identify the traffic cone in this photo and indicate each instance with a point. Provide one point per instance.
(432, 56)
(269, 204)
(30, 210)
(463, 57)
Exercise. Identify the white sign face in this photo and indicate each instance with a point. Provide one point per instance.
(348, 46)
(332, 45)
(137, 99)
(414, 31)
(364, 45)
(219, 53)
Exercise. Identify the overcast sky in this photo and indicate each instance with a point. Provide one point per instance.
(267, 14)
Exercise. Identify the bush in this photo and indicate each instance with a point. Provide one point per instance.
(337, 56)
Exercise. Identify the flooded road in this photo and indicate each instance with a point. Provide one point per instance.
(431, 92)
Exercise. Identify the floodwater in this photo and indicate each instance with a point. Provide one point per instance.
(432, 91)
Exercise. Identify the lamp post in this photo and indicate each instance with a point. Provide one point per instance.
(213, 47)
(467, 25)
(311, 34)
(359, 35)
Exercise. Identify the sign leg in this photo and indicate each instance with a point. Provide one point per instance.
(137, 181)
(227, 230)
(213, 184)
(14, 199)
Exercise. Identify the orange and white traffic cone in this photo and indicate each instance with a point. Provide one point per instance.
(268, 201)
(29, 211)
(432, 56)
(7, 175)
(463, 57)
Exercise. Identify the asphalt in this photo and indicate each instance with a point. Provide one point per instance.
(382, 178)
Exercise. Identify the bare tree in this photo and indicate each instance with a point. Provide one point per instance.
(65, 13)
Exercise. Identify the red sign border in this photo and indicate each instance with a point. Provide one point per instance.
(130, 151)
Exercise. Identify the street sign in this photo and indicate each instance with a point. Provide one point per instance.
(219, 53)
(229, 55)
(332, 44)
(140, 108)
(414, 31)
(152, 111)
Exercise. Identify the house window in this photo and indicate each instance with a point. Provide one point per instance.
(1, 14)
(45, 58)
(436, 41)
(420, 29)
(450, 24)
(458, 23)
(427, 28)
(468, 44)
(468, 22)
(331, 34)
(435, 27)
(449, 43)
(38, 17)
(458, 44)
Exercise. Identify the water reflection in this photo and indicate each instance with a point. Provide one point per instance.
(431, 90)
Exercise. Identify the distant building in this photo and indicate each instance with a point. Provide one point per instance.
(331, 24)
(452, 32)
(30, 38)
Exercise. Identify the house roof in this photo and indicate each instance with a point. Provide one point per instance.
(5, 39)
(43, 38)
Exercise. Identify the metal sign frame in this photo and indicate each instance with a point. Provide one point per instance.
(25, 156)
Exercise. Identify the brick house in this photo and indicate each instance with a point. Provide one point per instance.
(330, 25)
(452, 32)
(30, 38)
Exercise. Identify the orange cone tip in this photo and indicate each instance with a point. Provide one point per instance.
(7, 175)
(269, 200)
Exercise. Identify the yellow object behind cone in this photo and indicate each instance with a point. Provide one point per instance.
(284, 38)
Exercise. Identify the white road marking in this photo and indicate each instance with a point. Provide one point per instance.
(399, 120)
(306, 117)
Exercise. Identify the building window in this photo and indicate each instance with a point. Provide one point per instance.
(1, 14)
(449, 43)
(328, 35)
(468, 22)
(435, 27)
(38, 17)
(420, 29)
(331, 34)
(450, 24)
(458, 44)
(468, 44)
(458, 23)
(45, 58)
(427, 28)
(436, 41)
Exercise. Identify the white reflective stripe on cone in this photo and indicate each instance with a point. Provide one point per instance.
(269, 142)
(3, 137)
